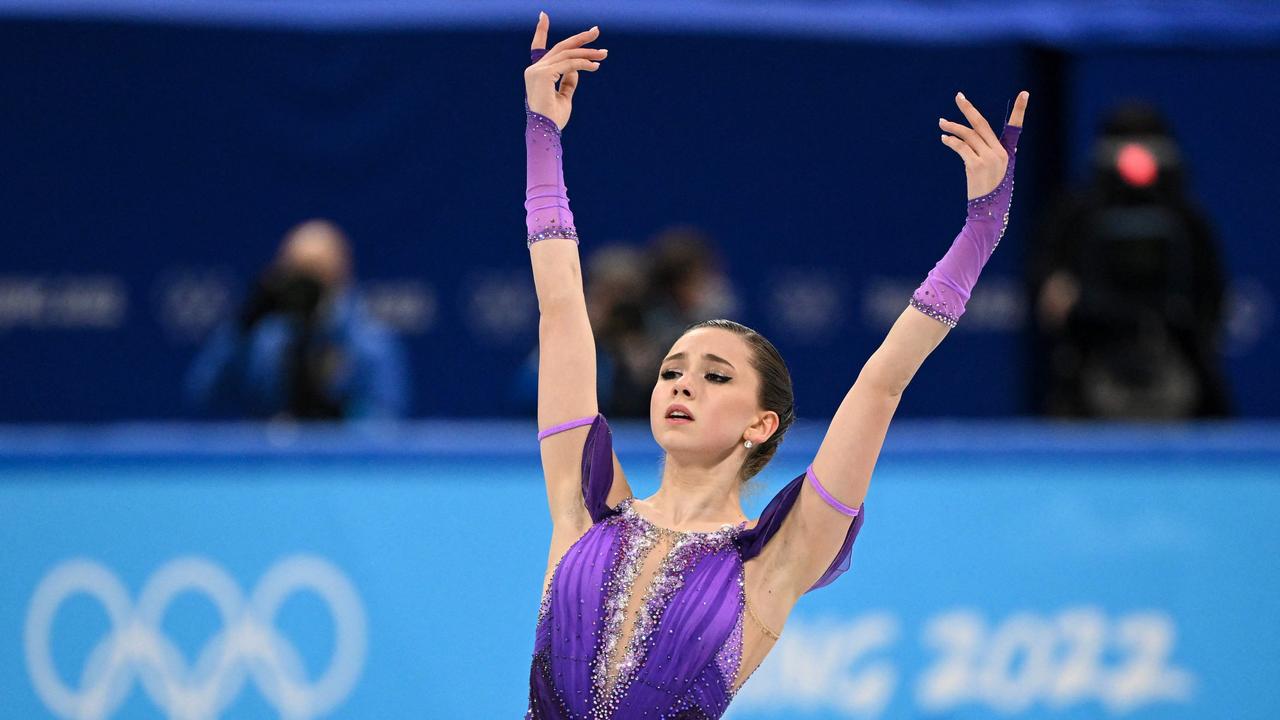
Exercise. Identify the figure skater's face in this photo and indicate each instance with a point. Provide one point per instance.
(707, 398)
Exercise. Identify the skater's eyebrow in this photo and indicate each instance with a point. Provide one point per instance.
(709, 356)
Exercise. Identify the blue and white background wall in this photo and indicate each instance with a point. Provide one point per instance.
(1005, 570)
(156, 152)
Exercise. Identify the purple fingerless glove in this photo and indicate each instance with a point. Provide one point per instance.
(945, 291)
(546, 200)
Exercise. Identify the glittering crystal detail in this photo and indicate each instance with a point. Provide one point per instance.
(612, 671)
(687, 549)
(632, 551)
(542, 667)
(937, 312)
(729, 658)
(545, 605)
(540, 122)
(567, 233)
(999, 200)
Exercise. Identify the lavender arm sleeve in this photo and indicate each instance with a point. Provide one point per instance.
(546, 200)
(944, 292)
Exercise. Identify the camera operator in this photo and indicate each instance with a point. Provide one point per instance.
(1129, 285)
(303, 345)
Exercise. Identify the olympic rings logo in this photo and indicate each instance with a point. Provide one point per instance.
(247, 646)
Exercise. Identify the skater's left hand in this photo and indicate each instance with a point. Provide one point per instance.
(549, 83)
(985, 156)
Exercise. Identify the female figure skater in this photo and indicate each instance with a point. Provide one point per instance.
(662, 607)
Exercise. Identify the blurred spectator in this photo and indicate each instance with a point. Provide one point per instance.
(1128, 285)
(304, 345)
(616, 279)
(686, 285)
(639, 302)
(617, 286)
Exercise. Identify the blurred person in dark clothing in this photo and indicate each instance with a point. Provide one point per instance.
(304, 345)
(639, 302)
(686, 285)
(1129, 286)
(616, 292)
(616, 286)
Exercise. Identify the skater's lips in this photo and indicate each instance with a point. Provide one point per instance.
(677, 411)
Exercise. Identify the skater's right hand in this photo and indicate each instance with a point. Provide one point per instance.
(986, 157)
(561, 63)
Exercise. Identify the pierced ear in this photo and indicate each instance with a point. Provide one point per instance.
(765, 426)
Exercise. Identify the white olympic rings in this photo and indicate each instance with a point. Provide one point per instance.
(248, 644)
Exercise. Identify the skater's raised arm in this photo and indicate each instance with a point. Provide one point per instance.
(841, 471)
(567, 354)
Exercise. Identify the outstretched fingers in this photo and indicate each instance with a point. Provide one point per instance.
(540, 32)
(987, 158)
(569, 48)
(575, 41)
(1019, 109)
(576, 53)
(1013, 128)
(976, 120)
(962, 149)
(568, 65)
(965, 133)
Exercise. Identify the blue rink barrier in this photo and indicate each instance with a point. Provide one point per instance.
(1006, 570)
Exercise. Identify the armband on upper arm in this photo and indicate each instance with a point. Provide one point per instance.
(828, 497)
(555, 429)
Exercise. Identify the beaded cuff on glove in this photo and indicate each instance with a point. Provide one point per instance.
(943, 294)
(931, 304)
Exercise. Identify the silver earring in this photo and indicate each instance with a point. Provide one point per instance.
(748, 444)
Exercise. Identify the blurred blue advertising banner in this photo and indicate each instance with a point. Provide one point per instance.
(1005, 570)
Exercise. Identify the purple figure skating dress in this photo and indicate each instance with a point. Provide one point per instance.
(684, 652)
